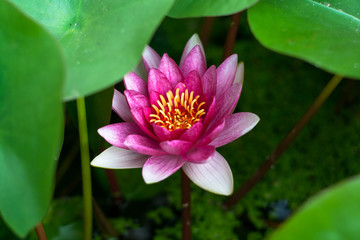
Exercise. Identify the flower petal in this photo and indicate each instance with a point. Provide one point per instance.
(193, 83)
(116, 133)
(210, 134)
(208, 82)
(176, 147)
(143, 145)
(158, 82)
(136, 99)
(200, 155)
(121, 107)
(210, 113)
(163, 134)
(195, 60)
(118, 158)
(236, 125)
(158, 168)
(225, 74)
(214, 176)
(226, 103)
(192, 134)
(141, 71)
(239, 76)
(171, 70)
(193, 41)
(141, 120)
(150, 58)
(133, 82)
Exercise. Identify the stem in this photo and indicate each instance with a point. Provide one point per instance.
(40, 232)
(206, 30)
(285, 143)
(231, 35)
(85, 166)
(186, 206)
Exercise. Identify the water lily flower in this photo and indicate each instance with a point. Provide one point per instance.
(177, 118)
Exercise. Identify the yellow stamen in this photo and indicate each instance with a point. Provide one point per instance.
(181, 112)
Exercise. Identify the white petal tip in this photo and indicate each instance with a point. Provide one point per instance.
(214, 176)
(118, 158)
(239, 76)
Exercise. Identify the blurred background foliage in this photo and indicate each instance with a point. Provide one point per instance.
(278, 89)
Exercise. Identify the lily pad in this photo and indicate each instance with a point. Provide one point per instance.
(201, 8)
(102, 40)
(333, 214)
(326, 34)
(31, 81)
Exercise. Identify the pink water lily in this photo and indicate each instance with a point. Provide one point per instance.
(177, 118)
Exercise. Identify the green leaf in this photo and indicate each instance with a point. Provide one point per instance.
(326, 35)
(31, 79)
(333, 214)
(201, 8)
(102, 40)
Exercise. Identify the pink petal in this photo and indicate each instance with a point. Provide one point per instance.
(116, 133)
(192, 134)
(208, 82)
(226, 103)
(239, 76)
(136, 99)
(141, 120)
(225, 74)
(193, 41)
(133, 82)
(169, 68)
(150, 58)
(163, 134)
(210, 113)
(200, 155)
(143, 145)
(154, 96)
(121, 107)
(214, 176)
(158, 168)
(211, 134)
(118, 158)
(176, 147)
(158, 82)
(236, 125)
(195, 60)
(181, 86)
(193, 83)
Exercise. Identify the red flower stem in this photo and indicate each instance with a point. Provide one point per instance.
(85, 167)
(185, 206)
(40, 232)
(231, 35)
(206, 30)
(114, 187)
(284, 144)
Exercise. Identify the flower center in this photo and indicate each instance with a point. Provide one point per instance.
(179, 111)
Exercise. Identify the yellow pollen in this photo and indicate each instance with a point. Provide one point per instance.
(177, 112)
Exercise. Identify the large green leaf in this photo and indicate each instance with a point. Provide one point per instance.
(332, 215)
(31, 122)
(102, 39)
(326, 35)
(201, 8)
